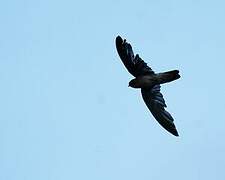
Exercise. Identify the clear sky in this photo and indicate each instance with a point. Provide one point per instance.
(66, 110)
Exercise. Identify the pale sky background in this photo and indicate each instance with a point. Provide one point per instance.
(66, 110)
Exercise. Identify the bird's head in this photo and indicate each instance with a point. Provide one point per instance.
(133, 83)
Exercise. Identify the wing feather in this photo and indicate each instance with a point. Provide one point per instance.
(156, 104)
(134, 64)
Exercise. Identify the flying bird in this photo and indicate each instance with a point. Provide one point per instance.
(149, 83)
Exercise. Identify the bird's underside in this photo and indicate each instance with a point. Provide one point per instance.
(149, 82)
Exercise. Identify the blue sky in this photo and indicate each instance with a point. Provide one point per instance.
(66, 110)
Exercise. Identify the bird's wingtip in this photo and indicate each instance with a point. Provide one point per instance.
(119, 40)
(175, 133)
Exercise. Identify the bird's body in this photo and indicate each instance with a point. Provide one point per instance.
(149, 83)
(146, 81)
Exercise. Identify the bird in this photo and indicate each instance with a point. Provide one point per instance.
(149, 82)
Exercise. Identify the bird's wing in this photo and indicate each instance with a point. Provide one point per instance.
(134, 64)
(156, 104)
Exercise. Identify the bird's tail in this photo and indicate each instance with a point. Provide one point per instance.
(169, 76)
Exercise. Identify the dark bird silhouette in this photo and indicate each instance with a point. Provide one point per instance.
(149, 82)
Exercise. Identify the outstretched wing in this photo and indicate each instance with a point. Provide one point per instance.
(134, 64)
(156, 104)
